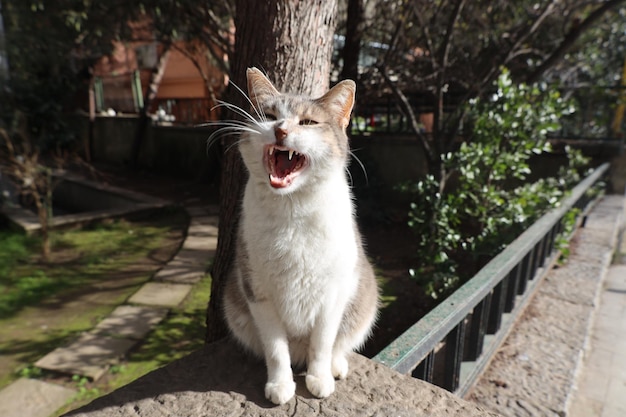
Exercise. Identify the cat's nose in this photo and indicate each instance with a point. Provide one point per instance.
(280, 134)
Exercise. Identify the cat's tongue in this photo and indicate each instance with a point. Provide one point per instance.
(279, 182)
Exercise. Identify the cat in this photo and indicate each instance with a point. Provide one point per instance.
(301, 290)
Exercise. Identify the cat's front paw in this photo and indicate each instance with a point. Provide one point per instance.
(320, 386)
(280, 392)
(340, 366)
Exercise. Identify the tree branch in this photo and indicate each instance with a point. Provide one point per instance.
(522, 35)
(441, 143)
(408, 109)
(570, 39)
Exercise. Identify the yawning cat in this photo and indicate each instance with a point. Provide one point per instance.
(301, 289)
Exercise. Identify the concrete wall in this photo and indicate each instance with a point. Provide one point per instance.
(179, 152)
(113, 139)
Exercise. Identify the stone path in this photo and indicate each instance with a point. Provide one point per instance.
(601, 387)
(32, 398)
(95, 351)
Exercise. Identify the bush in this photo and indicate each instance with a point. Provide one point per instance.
(484, 202)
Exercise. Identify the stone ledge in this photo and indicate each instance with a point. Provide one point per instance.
(221, 380)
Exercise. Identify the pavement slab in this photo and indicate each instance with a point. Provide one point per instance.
(601, 386)
(162, 294)
(180, 274)
(187, 267)
(33, 398)
(191, 258)
(206, 243)
(90, 355)
(132, 322)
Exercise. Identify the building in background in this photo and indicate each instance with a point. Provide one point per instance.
(186, 92)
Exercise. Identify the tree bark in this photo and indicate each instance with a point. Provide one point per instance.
(292, 43)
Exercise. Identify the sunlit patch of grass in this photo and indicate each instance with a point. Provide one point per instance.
(95, 251)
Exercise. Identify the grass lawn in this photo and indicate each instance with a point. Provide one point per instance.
(92, 271)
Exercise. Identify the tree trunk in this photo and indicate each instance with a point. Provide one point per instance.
(293, 43)
(43, 203)
(355, 27)
(144, 118)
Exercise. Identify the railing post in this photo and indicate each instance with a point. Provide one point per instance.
(425, 369)
(527, 269)
(538, 259)
(497, 307)
(478, 328)
(552, 240)
(454, 356)
(545, 252)
(511, 293)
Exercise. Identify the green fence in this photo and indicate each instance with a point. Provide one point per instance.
(452, 344)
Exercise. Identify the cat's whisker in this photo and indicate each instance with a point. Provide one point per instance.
(350, 179)
(215, 136)
(232, 145)
(238, 110)
(358, 161)
(227, 123)
(236, 126)
(258, 111)
(229, 128)
(209, 143)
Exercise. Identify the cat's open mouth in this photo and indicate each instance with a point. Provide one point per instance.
(283, 165)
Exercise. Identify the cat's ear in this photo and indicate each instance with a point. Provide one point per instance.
(259, 87)
(340, 100)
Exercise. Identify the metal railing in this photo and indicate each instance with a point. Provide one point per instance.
(453, 343)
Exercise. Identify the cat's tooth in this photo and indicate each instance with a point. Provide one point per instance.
(290, 154)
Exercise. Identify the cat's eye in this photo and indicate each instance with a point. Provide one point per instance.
(308, 122)
(270, 116)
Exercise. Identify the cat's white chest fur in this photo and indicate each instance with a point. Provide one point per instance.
(302, 251)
